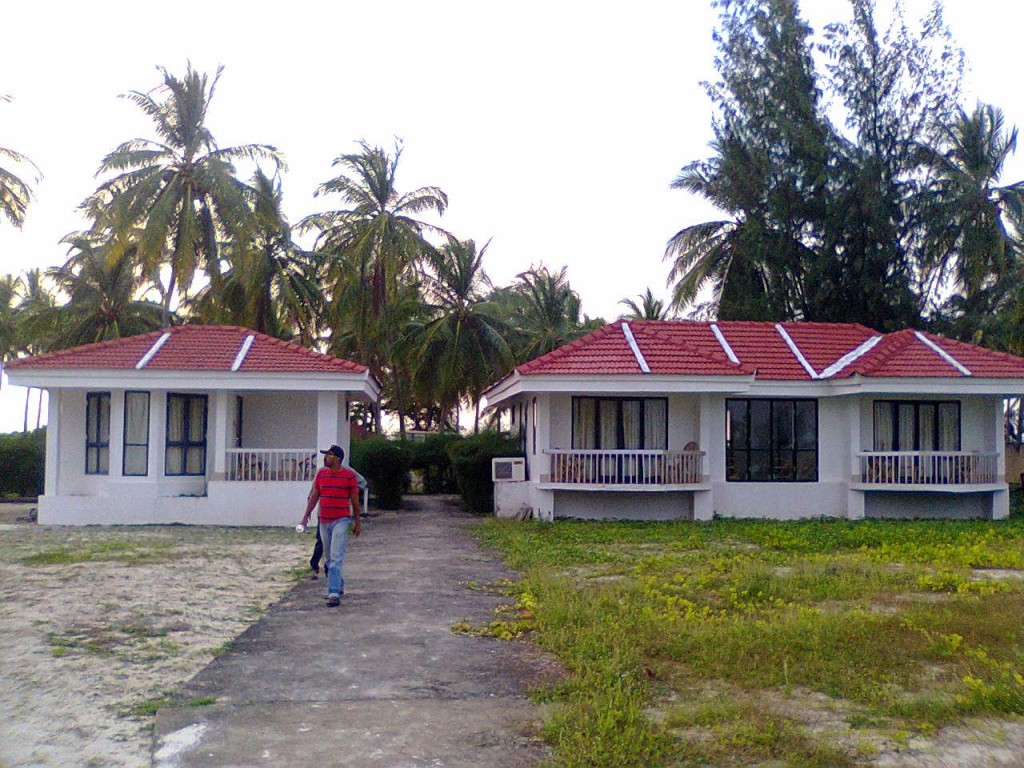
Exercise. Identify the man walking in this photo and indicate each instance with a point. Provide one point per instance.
(337, 490)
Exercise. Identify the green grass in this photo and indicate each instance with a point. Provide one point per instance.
(675, 635)
(126, 551)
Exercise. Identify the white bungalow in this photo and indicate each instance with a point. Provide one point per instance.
(691, 420)
(193, 424)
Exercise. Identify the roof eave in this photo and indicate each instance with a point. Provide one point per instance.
(360, 382)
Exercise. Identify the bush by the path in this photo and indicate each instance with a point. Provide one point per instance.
(471, 463)
(385, 465)
(22, 463)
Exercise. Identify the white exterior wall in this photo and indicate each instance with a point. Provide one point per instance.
(285, 420)
(845, 428)
(272, 419)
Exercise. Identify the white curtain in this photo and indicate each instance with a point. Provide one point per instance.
(906, 422)
(631, 423)
(926, 427)
(136, 433)
(949, 427)
(883, 427)
(608, 413)
(655, 425)
(583, 422)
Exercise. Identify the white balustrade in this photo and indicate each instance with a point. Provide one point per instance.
(626, 467)
(928, 468)
(272, 464)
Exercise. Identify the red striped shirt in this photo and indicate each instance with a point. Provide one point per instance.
(335, 492)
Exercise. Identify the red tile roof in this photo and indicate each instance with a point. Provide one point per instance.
(193, 348)
(831, 350)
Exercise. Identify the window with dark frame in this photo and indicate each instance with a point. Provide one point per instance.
(533, 424)
(771, 440)
(97, 433)
(186, 435)
(620, 423)
(135, 462)
(916, 425)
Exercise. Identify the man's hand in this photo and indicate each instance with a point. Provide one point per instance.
(357, 526)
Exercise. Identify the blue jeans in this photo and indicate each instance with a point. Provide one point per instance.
(335, 536)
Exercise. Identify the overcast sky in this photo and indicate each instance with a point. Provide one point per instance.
(554, 127)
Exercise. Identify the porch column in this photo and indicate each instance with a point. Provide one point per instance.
(326, 419)
(854, 499)
(51, 480)
(1000, 499)
(704, 501)
(220, 434)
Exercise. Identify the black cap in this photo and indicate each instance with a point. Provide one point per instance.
(336, 450)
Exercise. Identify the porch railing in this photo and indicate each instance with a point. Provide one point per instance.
(271, 464)
(928, 468)
(627, 467)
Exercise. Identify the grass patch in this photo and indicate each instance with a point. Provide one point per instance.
(125, 551)
(145, 708)
(886, 621)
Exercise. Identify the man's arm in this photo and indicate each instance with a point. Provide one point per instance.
(314, 497)
(356, 510)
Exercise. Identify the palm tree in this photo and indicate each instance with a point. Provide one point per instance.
(974, 225)
(10, 292)
(104, 288)
(545, 312)
(649, 307)
(179, 189)
(463, 346)
(379, 234)
(272, 286)
(33, 337)
(15, 194)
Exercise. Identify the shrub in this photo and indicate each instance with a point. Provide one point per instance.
(471, 463)
(22, 463)
(385, 465)
(430, 456)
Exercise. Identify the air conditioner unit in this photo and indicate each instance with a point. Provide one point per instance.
(508, 470)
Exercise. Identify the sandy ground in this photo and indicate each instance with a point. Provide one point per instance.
(88, 648)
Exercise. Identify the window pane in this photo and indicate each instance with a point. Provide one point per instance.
(197, 420)
(737, 423)
(655, 425)
(949, 427)
(760, 424)
(760, 466)
(175, 460)
(631, 424)
(104, 461)
(906, 427)
(609, 428)
(783, 424)
(737, 466)
(175, 419)
(136, 418)
(583, 422)
(91, 419)
(136, 460)
(806, 426)
(926, 427)
(885, 434)
(195, 461)
(807, 465)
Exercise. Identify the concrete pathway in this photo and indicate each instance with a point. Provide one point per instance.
(380, 680)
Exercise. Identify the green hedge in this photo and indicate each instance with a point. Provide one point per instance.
(22, 463)
(430, 457)
(385, 465)
(471, 462)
